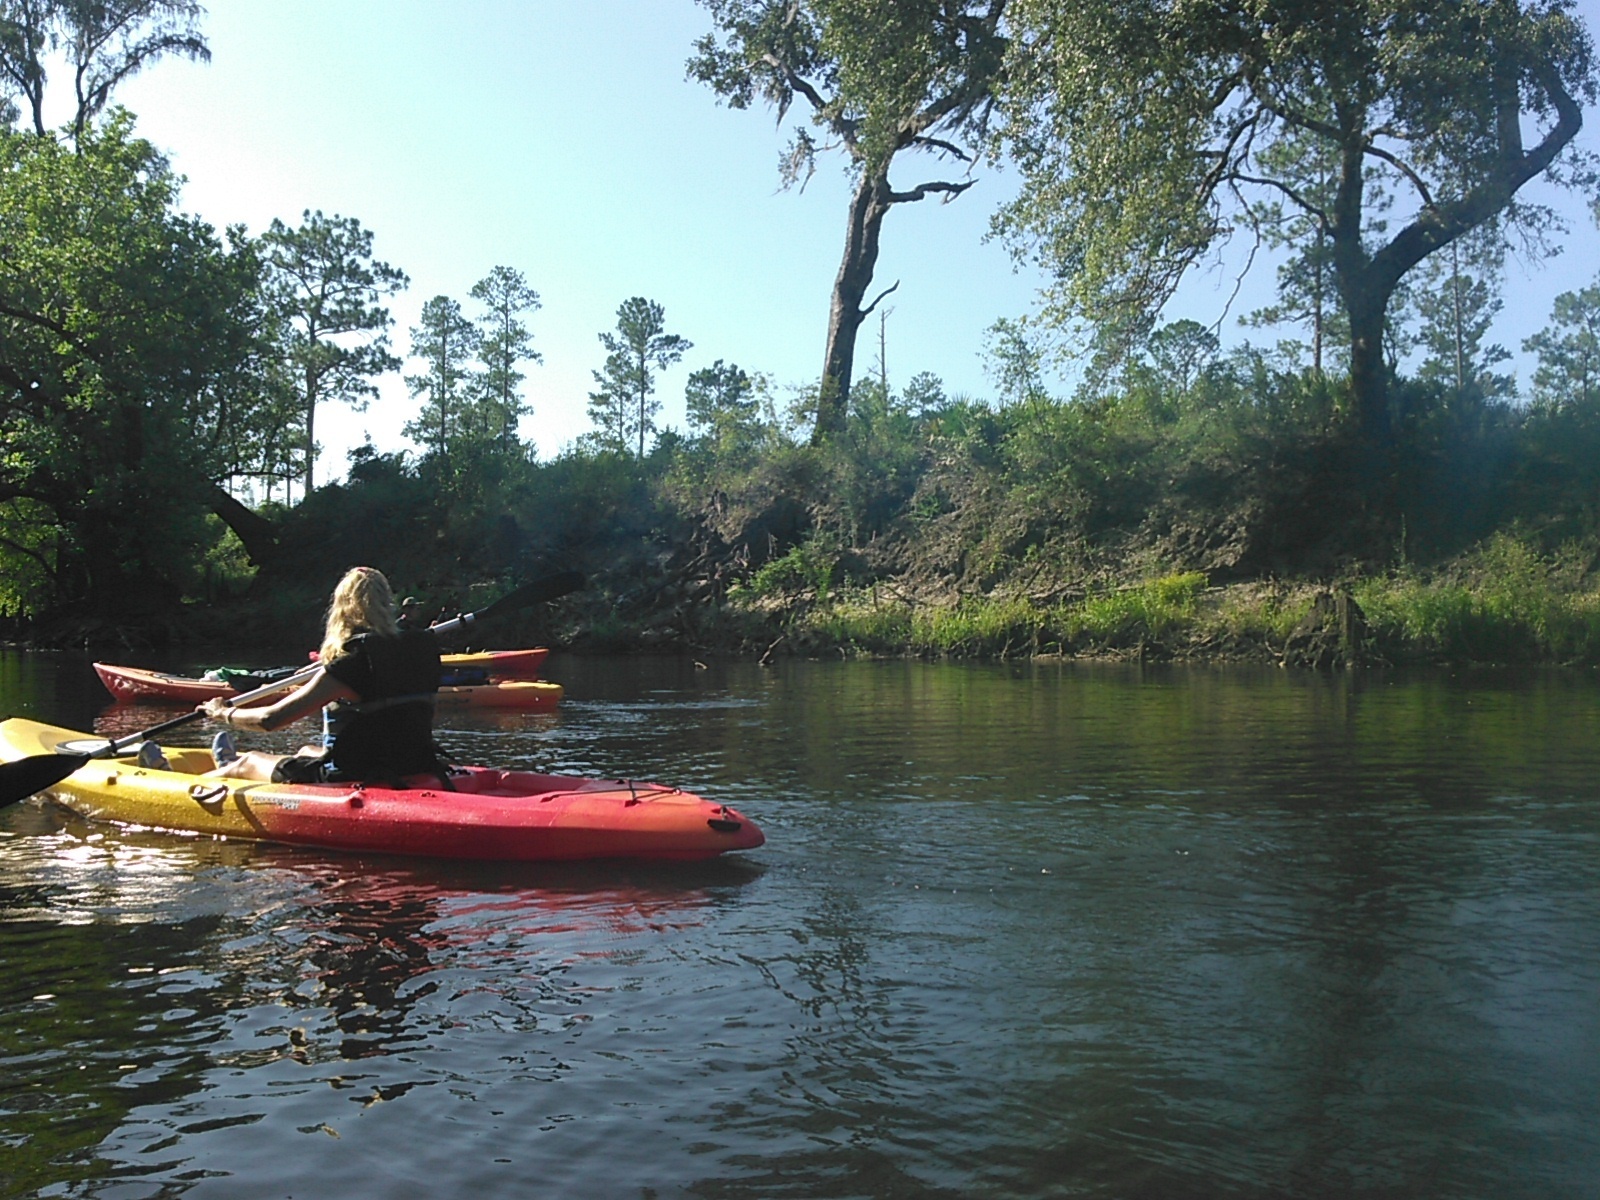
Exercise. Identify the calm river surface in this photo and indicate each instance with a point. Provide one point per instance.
(1045, 930)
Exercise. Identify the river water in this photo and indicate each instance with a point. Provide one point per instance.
(1017, 931)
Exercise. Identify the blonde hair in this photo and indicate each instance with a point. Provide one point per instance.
(362, 603)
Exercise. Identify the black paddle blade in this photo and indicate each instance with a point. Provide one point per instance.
(540, 591)
(26, 776)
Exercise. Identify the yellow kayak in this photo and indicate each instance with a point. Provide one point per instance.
(483, 814)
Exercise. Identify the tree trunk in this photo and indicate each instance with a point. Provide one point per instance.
(1369, 374)
(259, 535)
(311, 427)
(1367, 282)
(867, 208)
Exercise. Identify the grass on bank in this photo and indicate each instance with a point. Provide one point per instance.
(1504, 603)
(863, 620)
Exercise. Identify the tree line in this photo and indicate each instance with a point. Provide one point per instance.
(153, 365)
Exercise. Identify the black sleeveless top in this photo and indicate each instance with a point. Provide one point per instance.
(388, 733)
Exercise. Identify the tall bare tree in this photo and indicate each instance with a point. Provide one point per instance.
(878, 80)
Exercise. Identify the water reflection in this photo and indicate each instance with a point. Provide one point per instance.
(336, 974)
(377, 943)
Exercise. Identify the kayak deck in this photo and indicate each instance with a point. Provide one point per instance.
(485, 814)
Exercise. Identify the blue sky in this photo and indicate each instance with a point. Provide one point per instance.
(562, 139)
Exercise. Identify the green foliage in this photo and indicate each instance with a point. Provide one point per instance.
(624, 408)
(722, 406)
(1510, 604)
(1308, 165)
(225, 569)
(133, 372)
(986, 626)
(447, 343)
(864, 626)
(879, 80)
(1152, 609)
(102, 44)
(1247, 616)
(1569, 351)
(807, 567)
(861, 621)
(1147, 133)
(1000, 626)
(878, 76)
(30, 539)
(147, 358)
(505, 344)
(1015, 362)
(1458, 308)
(323, 289)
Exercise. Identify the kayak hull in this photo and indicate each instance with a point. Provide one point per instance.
(135, 685)
(491, 814)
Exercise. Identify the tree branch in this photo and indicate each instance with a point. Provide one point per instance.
(1416, 180)
(1297, 119)
(921, 191)
(1440, 226)
(950, 148)
(43, 322)
(795, 81)
(865, 312)
(1225, 156)
(28, 551)
(1279, 185)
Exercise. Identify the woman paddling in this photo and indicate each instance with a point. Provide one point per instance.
(376, 691)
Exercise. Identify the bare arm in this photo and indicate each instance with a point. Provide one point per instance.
(312, 696)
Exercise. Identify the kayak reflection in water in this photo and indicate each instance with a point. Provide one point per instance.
(375, 690)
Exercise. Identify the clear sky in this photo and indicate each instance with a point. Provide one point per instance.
(563, 139)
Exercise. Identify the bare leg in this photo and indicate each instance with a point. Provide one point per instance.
(252, 764)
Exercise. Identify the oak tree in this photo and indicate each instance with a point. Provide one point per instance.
(1146, 130)
(102, 42)
(135, 372)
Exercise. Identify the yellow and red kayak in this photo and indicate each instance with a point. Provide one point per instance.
(135, 685)
(489, 814)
